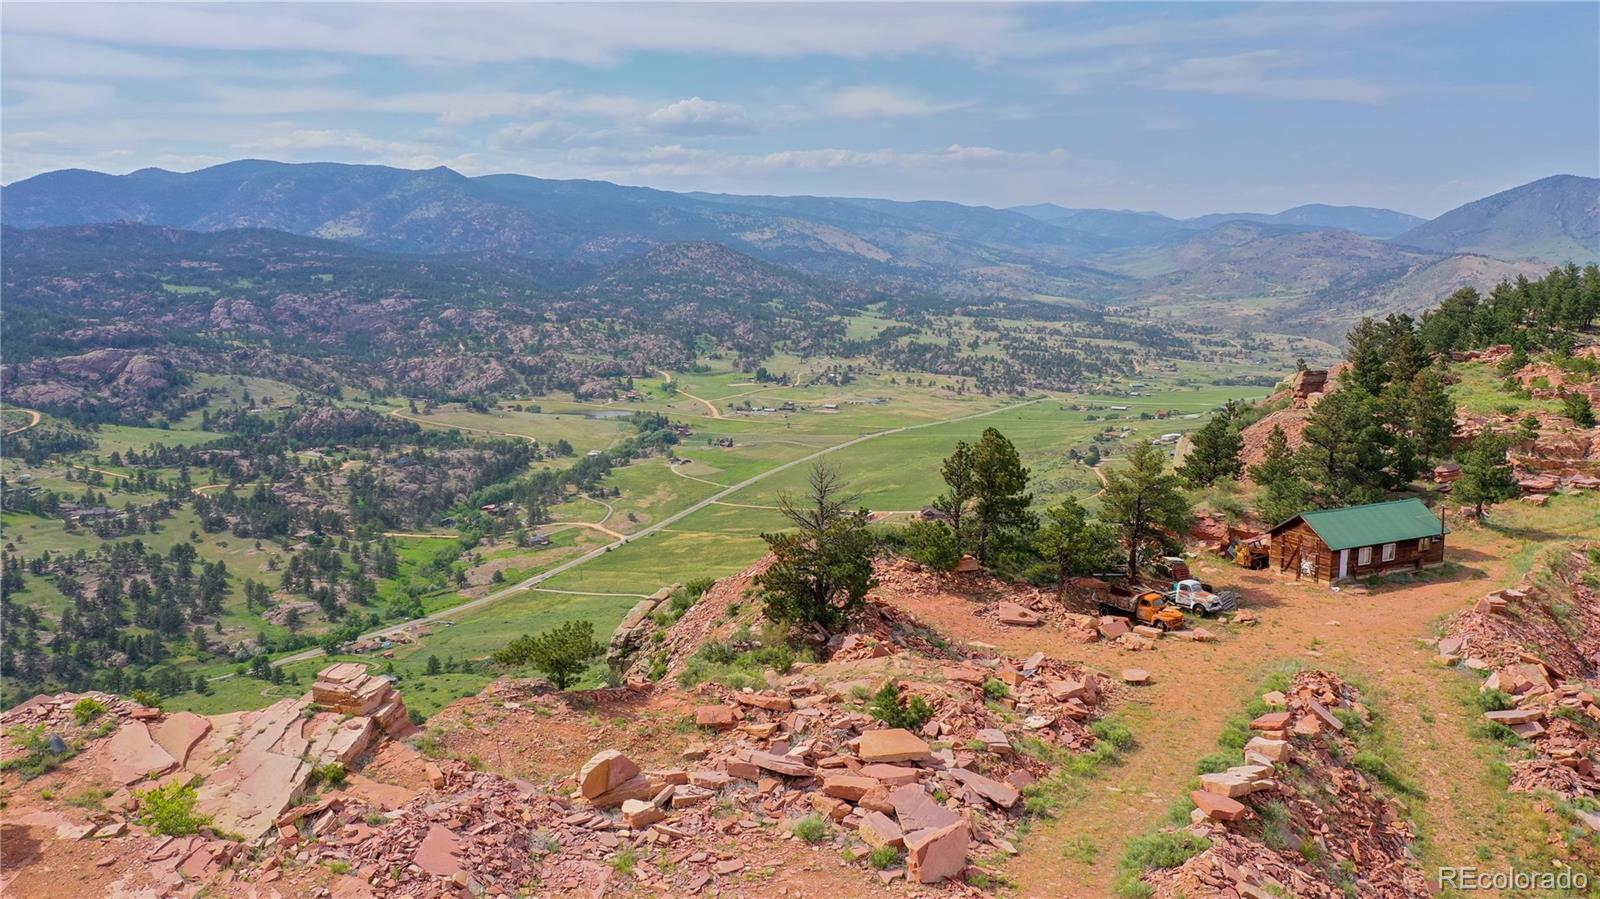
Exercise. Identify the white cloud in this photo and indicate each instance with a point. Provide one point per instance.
(1257, 74)
(699, 116)
(869, 102)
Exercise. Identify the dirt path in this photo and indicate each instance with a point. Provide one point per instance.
(710, 406)
(34, 417)
(1198, 687)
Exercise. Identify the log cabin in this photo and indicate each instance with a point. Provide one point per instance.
(1359, 541)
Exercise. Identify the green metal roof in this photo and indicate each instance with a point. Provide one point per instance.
(1401, 519)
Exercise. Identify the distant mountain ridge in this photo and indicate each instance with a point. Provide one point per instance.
(595, 236)
(1555, 219)
(1147, 227)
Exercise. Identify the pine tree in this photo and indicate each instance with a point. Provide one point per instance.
(1214, 455)
(1283, 492)
(1144, 502)
(1072, 544)
(1486, 475)
(1349, 455)
(957, 473)
(822, 569)
(1000, 498)
(563, 653)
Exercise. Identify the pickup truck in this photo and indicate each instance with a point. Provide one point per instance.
(1193, 596)
(1144, 607)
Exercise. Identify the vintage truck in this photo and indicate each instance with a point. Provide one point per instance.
(1192, 596)
(1143, 606)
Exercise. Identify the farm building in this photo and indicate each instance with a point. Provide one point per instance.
(1359, 541)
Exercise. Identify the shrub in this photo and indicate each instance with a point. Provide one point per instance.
(563, 653)
(169, 810)
(1154, 852)
(883, 858)
(1215, 763)
(932, 543)
(332, 774)
(995, 688)
(40, 753)
(1494, 700)
(87, 709)
(811, 828)
(1113, 734)
(888, 708)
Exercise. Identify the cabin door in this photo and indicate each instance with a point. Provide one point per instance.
(1344, 563)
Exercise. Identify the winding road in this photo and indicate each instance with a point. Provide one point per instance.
(710, 406)
(533, 582)
(36, 418)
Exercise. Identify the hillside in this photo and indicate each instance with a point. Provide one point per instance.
(1365, 220)
(1555, 219)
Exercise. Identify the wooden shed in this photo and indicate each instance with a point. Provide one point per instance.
(1359, 541)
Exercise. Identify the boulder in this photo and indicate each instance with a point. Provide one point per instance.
(437, 853)
(1273, 750)
(779, 764)
(916, 810)
(1218, 807)
(1112, 627)
(1015, 615)
(892, 775)
(1135, 676)
(1271, 721)
(606, 771)
(637, 813)
(992, 790)
(637, 787)
(933, 855)
(847, 787)
(878, 830)
(1510, 717)
(717, 716)
(179, 732)
(893, 745)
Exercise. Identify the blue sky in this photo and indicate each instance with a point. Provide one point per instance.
(1184, 109)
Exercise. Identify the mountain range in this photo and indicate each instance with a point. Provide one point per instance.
(565, 233)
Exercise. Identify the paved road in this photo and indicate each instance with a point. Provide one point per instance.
(536, 580)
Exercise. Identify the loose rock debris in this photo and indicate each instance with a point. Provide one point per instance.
(1312, 797)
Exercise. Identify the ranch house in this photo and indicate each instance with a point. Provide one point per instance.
(1359, 541)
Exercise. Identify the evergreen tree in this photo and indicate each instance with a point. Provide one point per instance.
(1486, 475)
(1214, 454)
(1000, 498)
(822, 570)
(1577, 407)
(563, 654)
(1349, 455)
(1283, 492)
(1072, 544)
(958, 477)
(1144, 502)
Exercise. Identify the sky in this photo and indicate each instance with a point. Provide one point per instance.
(1179, 108)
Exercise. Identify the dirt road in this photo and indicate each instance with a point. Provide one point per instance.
(1197, 687)
(35, 418)
(710, 406)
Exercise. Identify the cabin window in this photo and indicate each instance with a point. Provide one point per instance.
(1388, 552)
(1423, 543)
(1364, 556)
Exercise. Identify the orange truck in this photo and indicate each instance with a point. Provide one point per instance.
(1143, 606)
